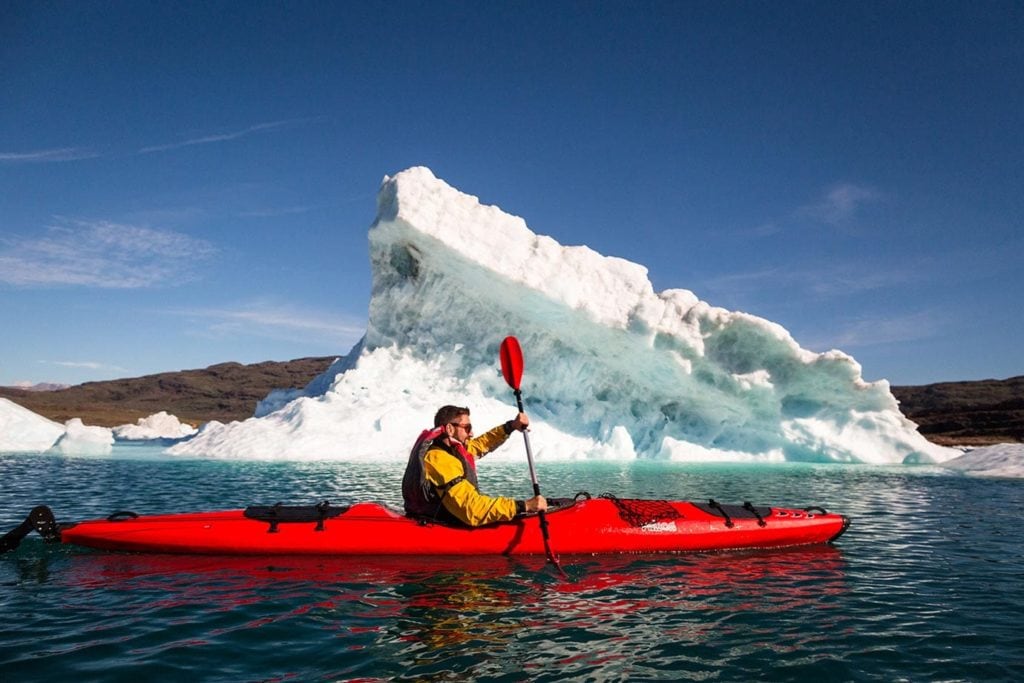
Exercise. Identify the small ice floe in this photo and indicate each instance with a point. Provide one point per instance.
(82, 439)
(160, 425)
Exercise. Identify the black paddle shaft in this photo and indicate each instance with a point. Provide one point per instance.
(541, 516)
(529, 458)
(512, 367)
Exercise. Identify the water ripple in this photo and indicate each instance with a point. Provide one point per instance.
(927, 584)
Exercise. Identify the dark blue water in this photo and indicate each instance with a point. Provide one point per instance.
(928, 584)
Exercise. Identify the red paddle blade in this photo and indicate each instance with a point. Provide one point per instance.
(511, 361)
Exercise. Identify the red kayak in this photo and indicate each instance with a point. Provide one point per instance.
(588, 526)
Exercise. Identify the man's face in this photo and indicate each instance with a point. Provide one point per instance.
(459, 429)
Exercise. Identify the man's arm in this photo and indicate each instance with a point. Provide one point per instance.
(463, 499)
(485, 443)
(480, 446)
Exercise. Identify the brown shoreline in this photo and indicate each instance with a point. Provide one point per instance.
(977, 413)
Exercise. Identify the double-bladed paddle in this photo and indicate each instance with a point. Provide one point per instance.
(512, 368)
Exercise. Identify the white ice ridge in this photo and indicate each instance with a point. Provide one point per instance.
(157, 426)
(81, 439)
(1000, 460)
(613, 368)
(23, 430)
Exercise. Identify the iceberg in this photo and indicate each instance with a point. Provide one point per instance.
(82, 439)
(21, 430)
(1000, 460)
(614, 369)
(157, 426)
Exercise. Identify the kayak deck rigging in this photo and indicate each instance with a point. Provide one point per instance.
(580, 525)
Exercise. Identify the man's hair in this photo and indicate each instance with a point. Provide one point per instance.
(448, 413)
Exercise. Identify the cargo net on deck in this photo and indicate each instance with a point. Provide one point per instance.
(638, 512)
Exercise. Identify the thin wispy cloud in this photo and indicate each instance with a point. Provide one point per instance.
(282, 211)
(767, 229)
(837, 206)
(834, 281)
(65, 154)
(277, 321)
(101, 254)
(44, 156)
(840, 203)
(844, 280)
(224, 137)
(897, 329)
(83, 365)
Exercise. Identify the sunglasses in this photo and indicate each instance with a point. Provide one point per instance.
(467, 426)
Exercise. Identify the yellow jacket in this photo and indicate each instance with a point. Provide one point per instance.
(464, 500)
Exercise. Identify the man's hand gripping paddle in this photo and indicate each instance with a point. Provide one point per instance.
(512, 369)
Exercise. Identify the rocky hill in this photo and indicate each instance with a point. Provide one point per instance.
(949, 413)
(224, 392)
(967, 413)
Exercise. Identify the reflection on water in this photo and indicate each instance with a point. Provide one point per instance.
(426, 616)
(926, 584)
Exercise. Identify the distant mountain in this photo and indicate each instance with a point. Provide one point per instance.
(948, 413)
(224, 392)
(42, 386)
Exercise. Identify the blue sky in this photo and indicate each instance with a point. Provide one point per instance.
(187, 185)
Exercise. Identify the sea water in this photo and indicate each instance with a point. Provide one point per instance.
(928, 584)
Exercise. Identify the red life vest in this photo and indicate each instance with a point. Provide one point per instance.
(422, 498)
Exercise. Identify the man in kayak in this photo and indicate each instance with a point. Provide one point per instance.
(440, 480)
